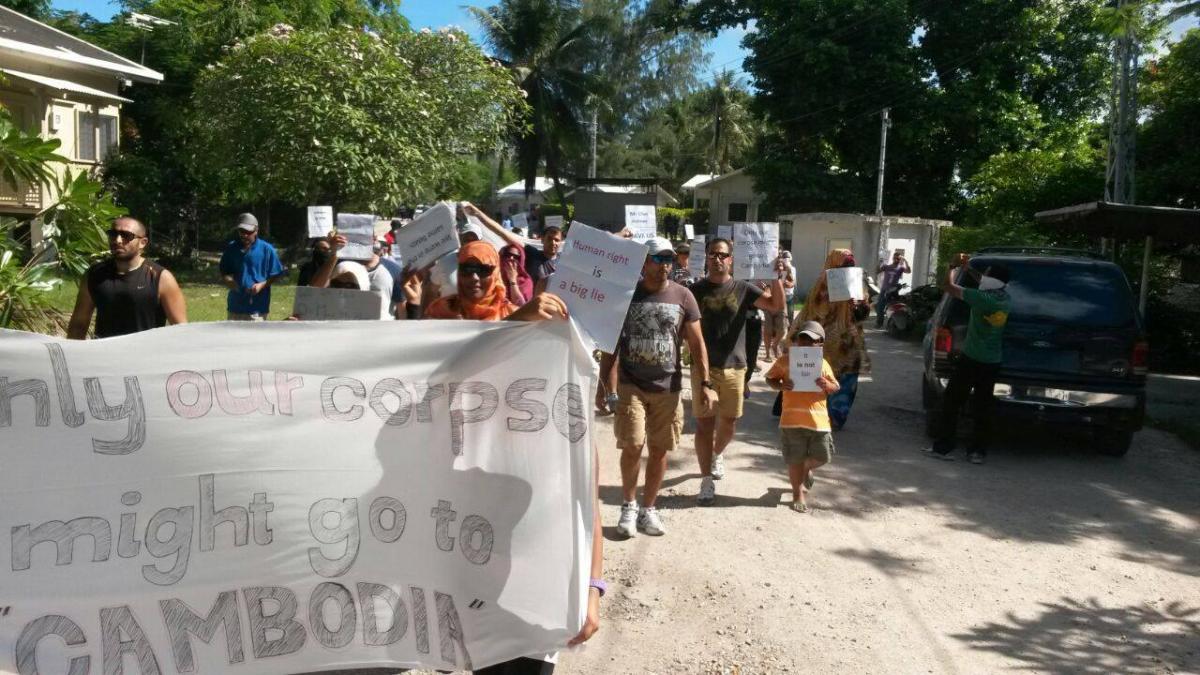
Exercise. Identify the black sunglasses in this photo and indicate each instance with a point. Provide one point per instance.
(124, 235)
(720, 255)
(663, 258)
(478, 269)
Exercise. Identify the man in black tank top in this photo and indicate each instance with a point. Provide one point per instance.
(127, 292)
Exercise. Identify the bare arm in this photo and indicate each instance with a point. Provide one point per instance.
(321, 278)
(953, 288)
(170, 296)
(81, 317)
(695, 342)
(543, 307)
(608, 380)
(772, 299)
(592, 622)
(492, 225)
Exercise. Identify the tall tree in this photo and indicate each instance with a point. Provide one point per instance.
(1169, 146)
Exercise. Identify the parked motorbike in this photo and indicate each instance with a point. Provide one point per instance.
(897, 320)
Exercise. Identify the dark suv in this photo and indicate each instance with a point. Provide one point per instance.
(1075, 348)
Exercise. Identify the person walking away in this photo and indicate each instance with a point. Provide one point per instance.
(724, 303)
(775, 324)
(647, 374)
(805, 435)
(126, 292)
(976, 367)
(845, 345)
(539, 263)
(889, 276)
(249, 266)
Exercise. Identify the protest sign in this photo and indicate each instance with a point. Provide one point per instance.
(804, 367)
(755, 247)
(444, 274)
(845, 283)
(595, 277)
(552, 221)
(487, 235)
(335, 304)
(640, 219)
(725, 232)
(697, 257)
(429, 236)
(320, 221)
(689, 231)
(522, 221)
(253, 499)
(359, 230)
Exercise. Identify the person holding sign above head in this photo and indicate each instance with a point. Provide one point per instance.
(127, 293)
(248, 267)
(724, 304)
(381, 274)
(647, 377)
(845, 345)
(539, 263)
(806, 379)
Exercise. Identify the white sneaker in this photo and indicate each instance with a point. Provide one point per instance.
(649, 522)
(708, 492)
(627, 525)
(718, 467)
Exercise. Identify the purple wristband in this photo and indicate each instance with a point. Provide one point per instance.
(599, 585)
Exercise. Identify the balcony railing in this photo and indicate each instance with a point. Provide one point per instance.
(28, 196)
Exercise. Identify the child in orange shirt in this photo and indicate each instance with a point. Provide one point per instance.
(804, 427)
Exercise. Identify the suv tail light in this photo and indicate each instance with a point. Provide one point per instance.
(1141, 358)
(943, 341)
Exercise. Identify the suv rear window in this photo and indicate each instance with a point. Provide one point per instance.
(1051, 291)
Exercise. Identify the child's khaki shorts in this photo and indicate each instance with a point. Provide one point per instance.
(802, 444)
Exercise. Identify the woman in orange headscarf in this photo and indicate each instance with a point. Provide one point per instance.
(481, 295)
(845, 348)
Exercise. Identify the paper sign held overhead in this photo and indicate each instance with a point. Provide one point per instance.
(755, 248)
(804, 367)
(845, 283)
(552, 221)
(640, 219)
(725, 232)
(429, 236)
(520, 220)
(335, 304)
(320, 221)
(697, 257)
(689, 231)
(596, 275)
(359, 230)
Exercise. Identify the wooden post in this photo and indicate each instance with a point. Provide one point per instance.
(1144, 290)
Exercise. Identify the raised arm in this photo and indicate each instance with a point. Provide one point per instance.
(953, 288)
(773, 299)
(320, 278)
(492, 225)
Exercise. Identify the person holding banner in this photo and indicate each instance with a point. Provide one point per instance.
(646, 374)
(248, 267)
(539, 263)
(845, 344)
(724, 305)
(127, 293)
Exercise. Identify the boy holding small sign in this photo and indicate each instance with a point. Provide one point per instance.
(806, 379)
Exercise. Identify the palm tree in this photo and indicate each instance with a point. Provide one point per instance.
(731, 131)
(542, 43)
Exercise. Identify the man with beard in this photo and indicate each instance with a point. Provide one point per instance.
(539, 262)
(126, 292)
(649, 383)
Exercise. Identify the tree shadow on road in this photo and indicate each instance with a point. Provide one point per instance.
(1086, 637)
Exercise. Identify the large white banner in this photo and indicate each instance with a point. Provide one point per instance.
(236, 497)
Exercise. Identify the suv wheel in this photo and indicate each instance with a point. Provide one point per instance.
(1113, 443)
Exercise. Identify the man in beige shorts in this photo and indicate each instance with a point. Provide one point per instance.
(647, 376)
(724, 302)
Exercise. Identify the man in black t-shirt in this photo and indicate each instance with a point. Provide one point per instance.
(724, 303)
(126, 292)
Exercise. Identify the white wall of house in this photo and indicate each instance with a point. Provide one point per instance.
(731, 199)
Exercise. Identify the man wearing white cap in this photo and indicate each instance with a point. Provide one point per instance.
(648, 381)
(248, 267)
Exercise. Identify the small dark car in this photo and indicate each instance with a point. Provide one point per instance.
(1075, 349)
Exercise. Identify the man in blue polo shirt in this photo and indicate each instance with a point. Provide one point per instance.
(249, 266)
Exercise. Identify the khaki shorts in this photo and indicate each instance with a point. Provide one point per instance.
(654, 416)
(731, 386)
(802, 444)
(775, 325)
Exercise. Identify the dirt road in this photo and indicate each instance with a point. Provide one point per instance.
(1046, 559)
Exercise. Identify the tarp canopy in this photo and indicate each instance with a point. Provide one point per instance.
(1127, 221)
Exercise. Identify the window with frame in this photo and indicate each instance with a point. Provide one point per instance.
(96, 136)
(738, 212)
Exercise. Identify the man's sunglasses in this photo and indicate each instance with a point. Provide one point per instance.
(720, 255)
(124, 235)
(478, 269)
(664, 258)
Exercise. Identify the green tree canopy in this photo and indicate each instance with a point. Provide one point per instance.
(1169, 146)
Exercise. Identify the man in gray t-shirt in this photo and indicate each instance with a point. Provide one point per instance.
(648, 382)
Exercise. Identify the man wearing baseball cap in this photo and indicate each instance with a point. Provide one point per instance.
(248, 267)
(646, 373)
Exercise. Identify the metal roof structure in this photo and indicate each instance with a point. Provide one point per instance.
(1127, 221)
(28, 38)
(63, 87)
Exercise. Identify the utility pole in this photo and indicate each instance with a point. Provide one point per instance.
(592, 168)
(884, 229)
(1122, 132)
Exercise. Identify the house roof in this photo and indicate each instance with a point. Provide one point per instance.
(517, 189)
(696, 180)
(64, 87)
(35, 40)
(614, 189)
(717, 179)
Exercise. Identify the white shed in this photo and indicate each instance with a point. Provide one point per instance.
(814, 235)
(729, 198)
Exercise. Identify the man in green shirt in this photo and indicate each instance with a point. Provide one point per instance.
(975, 369)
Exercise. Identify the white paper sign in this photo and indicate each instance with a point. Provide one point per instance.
(640, 219)
(596, 275)
(689, 231)
(335, 304)
(429, 236)
(804, 367)
(359, 230)
(845, 283)
(320, 221)
(522, 221)
(755, 248)
(261, 501)
(725, 232)
(697, 257)
(552, 221)
(490, 237)
(444, 274)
